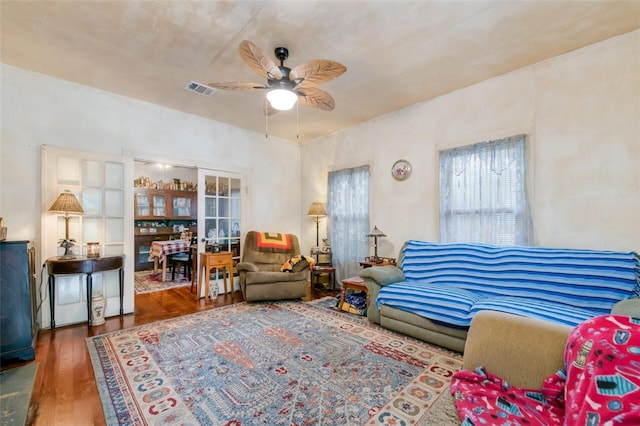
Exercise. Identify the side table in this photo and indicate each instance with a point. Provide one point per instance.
(319, 270)
(367, 263)
(209, 261)
(355, 284)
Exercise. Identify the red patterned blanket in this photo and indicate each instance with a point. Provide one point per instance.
(599, 385)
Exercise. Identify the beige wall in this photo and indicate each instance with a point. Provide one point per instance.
(37, 110)
(581, 112)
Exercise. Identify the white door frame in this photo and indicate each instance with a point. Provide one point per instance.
(75, 311)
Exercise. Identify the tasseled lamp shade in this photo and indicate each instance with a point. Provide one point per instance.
(66, 203)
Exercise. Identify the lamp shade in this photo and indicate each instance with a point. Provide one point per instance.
(66, 203)
(282, 99)
(317, 209)
(375, 232)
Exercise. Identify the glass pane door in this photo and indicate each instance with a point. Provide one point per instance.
(220, 222)
(98, 182)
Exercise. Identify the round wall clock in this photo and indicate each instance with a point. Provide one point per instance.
(401, 170)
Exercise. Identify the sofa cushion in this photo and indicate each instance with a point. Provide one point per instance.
(628, 307)
(523, 306)
(445, 303)
(297, 263)
(383, 275)
(268, 277)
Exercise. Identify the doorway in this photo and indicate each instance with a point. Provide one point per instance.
(165, 208)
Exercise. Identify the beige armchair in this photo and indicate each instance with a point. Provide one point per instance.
(260, 275)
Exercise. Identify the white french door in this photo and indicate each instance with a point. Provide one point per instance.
(222, 206)
(104, 186)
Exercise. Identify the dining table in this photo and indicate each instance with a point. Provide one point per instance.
(161, 249)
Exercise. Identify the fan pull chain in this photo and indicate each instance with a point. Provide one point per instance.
(297, 120)
(266, 120)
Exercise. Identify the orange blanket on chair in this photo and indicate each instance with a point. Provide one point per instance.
(274, 241)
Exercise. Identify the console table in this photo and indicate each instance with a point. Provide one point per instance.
(82, 265)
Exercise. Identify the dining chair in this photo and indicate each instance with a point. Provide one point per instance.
(183, 260)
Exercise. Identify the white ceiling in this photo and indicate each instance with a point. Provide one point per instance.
(397, 53)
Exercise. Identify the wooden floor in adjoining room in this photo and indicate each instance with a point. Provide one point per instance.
(65, 391)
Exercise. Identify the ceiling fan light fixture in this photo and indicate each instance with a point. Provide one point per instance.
(282, 99)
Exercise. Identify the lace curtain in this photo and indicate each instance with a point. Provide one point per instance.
(348, 212)
(483, 194)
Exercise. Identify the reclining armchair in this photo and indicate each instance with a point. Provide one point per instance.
(261, 275)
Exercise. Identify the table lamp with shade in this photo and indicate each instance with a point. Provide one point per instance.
(375, 234)
(67, 203)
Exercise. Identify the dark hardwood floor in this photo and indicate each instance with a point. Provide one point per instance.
(65, 391)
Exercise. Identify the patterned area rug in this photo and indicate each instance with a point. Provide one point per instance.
(147, 281)
(283, 363)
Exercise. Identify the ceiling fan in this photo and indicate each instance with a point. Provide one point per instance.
(286, 85)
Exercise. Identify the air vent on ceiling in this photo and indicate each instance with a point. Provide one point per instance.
(203, 89)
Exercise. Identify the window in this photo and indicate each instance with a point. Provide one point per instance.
(483, 193)
(348, 211)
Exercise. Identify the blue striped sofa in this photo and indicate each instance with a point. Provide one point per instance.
(438, 288)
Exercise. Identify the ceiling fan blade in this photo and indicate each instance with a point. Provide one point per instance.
(316, 98)
(238, 87)
(312, 73)
(258, 61)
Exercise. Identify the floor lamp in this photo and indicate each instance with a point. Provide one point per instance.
(317, 211)
(66, 203)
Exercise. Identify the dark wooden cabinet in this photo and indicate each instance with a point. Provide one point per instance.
(142, 246)
(152, 204)
(18, 324)
(156, 213)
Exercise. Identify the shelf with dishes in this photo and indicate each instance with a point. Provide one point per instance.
(166, 204)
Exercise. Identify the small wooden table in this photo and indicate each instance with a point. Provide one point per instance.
(353, 283)
(160, 250)
(82, 265)
(209, 261)
(319, 270)
(367, 263)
